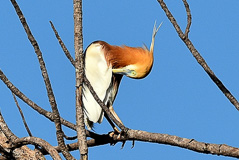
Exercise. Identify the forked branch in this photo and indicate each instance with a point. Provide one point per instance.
(194, 52)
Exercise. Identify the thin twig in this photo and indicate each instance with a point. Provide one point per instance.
(79, 72)
(22, 115)
(70, 138)
(197, 55)
(51, 97)
(65, 50)
(189, 18)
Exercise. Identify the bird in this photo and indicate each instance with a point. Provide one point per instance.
(105, 65)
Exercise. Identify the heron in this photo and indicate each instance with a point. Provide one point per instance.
(105, 65)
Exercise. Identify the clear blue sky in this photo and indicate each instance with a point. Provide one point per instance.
(177, 98)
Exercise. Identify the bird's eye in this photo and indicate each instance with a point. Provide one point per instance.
(133, 73)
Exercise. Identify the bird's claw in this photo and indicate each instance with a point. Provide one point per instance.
(123, 143)
(133, 143)
(120, 136)
(117, 133)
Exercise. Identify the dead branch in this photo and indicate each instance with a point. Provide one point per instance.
(22, 115)
(195, 53)
(189, 18)
(65, 50)
(7, 142)
(33, 105)
(79, 72)
(97, 141)
(7, 132)
(143, 136)
(39, 142)
(51, 97)
(191, 144)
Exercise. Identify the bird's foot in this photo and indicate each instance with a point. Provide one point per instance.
(116, 132)
(119, 137)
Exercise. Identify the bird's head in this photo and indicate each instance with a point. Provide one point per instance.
(137, 70)
(140, 62)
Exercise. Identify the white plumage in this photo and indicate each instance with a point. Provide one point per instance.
(99, 75)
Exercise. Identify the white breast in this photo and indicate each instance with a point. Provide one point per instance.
(99, 75)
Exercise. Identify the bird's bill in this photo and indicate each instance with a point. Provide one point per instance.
(120, 71)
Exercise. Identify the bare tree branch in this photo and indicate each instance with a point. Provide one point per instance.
(51, 97)
(100, 140)
(191, 144)
(138, 135)
(11, 152)
(195, 53)
(33, 105)
(189, 18)
(79, 68)
(67, 53)
(37, 108)
(40, 142)
(7, 132)
(22, 115)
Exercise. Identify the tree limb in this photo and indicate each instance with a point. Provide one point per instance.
(7, 142)
(51, 97)
(191, 144)
(79, 72)
(143, 136)
(195, 53)
(39, 142)
(33, 105)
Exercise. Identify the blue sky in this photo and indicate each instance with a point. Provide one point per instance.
(177, 98)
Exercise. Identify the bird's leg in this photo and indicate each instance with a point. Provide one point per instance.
(116, 130)
(114, 114)
(112, 124)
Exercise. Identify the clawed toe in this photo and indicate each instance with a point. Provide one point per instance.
(119, 137)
